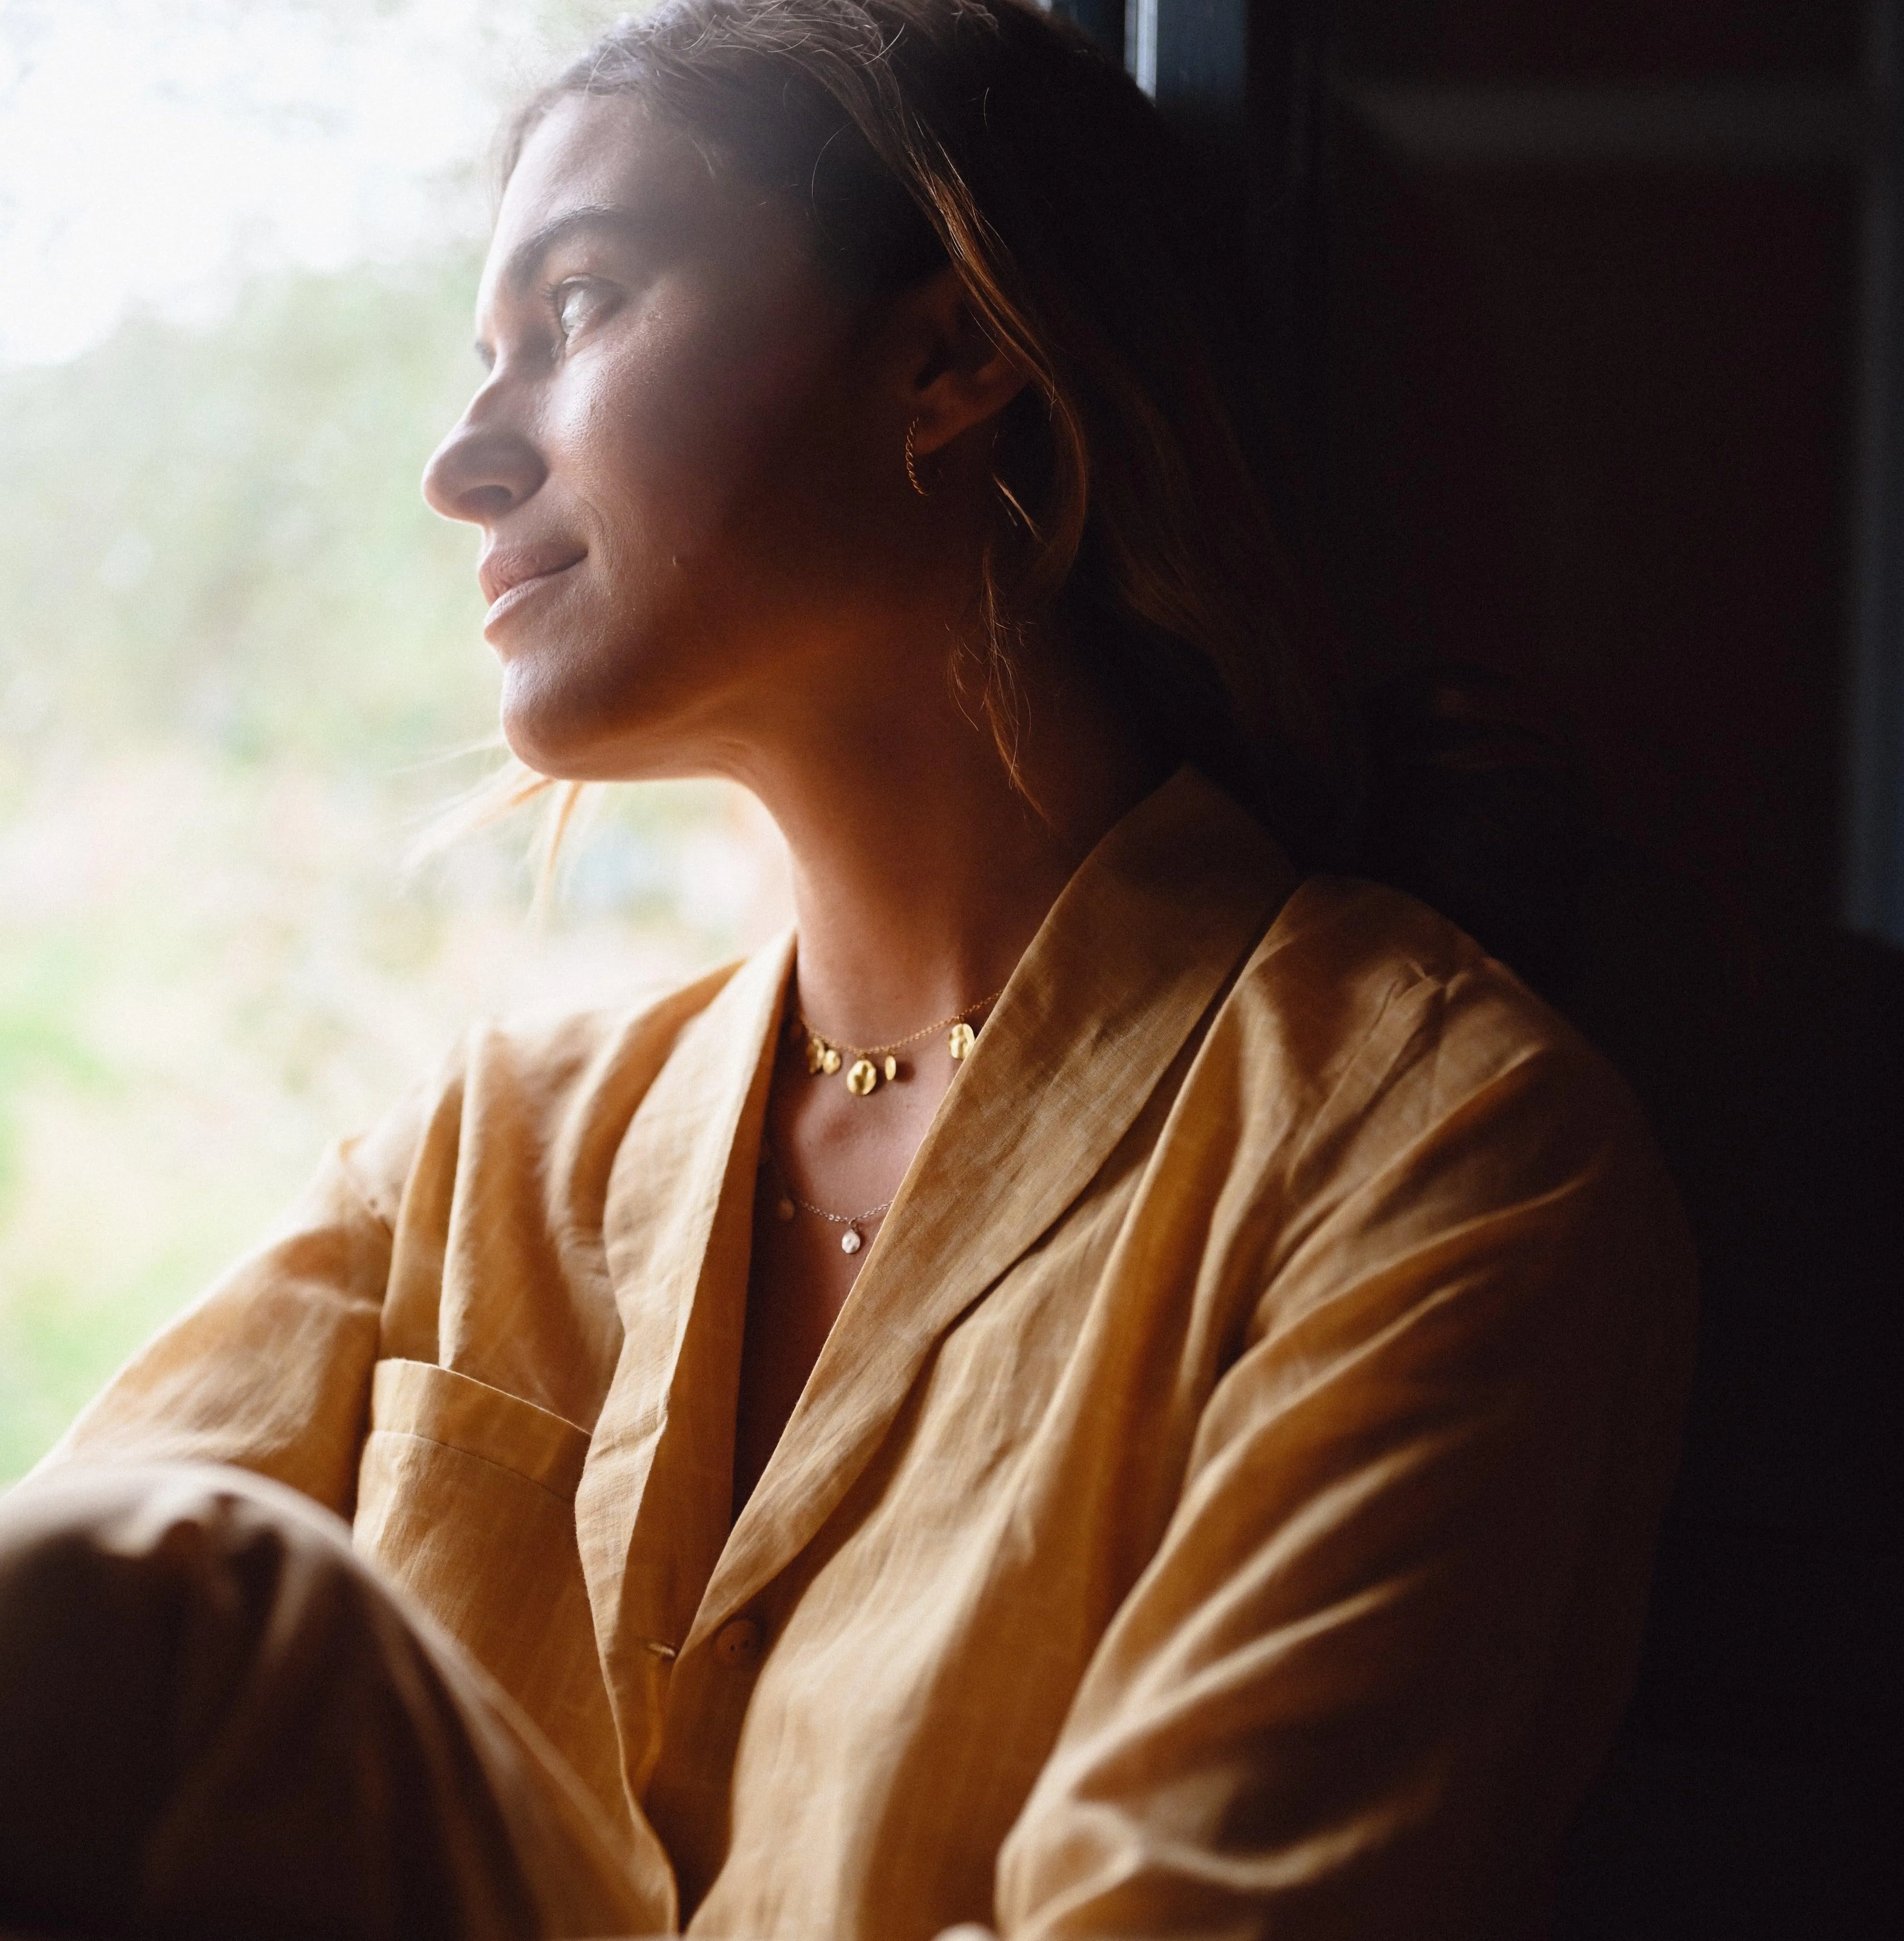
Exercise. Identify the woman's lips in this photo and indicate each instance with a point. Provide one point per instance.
(511, 580)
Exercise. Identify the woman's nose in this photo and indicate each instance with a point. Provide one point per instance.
(482, 470)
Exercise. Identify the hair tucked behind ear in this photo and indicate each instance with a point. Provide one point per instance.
(1135, 473)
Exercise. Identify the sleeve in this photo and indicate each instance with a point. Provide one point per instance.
(1365, 1680)
(270, 1371)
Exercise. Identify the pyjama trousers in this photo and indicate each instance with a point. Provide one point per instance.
(217, 1723)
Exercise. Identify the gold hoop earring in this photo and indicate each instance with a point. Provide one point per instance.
(912, 469)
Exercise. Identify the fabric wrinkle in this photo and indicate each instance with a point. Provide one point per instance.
(1224, 1508)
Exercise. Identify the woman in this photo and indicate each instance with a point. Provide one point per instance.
(1103, 1386)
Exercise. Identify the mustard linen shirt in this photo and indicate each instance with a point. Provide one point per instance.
(1222, 1507)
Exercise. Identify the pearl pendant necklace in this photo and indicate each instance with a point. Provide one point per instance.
(789, 1203)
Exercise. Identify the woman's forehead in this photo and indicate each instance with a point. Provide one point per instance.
(600, 151)
(601, 164)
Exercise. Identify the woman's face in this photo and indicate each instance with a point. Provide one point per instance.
(686, 459)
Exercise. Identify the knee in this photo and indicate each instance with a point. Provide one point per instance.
(88, 1547)
(126, 1509)
(133, 1601)
(106, 1573)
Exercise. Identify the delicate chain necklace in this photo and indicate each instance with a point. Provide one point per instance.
(790, 1202)
(867, 1064)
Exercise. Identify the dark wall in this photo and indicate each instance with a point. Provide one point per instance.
(1572, 303)
(1585, 381)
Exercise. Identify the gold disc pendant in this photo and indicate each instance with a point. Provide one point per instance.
(863, 1076)
(868, 1070)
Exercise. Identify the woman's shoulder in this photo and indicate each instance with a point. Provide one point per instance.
(1345, 953)
(542, 1081)
(1403, 1095)
(557, 1052)
(1370, 1007)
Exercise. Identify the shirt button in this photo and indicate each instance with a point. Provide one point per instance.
(738, 1641)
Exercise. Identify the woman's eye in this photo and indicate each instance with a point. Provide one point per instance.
(575, 304)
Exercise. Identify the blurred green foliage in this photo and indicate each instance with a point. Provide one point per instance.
(172, 500)
(234, 646)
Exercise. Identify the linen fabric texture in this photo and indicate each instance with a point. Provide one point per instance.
(218, 1723)
(1224, 1507)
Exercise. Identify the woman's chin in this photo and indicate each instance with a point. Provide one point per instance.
(570, 745)
(548, 754)
(623, 713)
(549, 722)
(540, 738)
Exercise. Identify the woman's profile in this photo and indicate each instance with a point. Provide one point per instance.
(1116, 1380)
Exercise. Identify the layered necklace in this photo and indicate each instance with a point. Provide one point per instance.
(788, 1202)
(866, 1067)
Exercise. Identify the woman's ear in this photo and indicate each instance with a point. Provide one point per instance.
(957, 377)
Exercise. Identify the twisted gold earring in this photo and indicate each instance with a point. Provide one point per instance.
(912, 470)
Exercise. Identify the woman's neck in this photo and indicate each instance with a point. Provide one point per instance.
(921, 871)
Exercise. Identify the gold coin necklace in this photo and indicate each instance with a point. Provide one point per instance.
(789, 1202)
(867, 1066)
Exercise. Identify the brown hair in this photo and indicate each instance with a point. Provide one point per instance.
(1137, 474)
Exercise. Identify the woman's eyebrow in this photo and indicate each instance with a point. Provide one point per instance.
(525, 259)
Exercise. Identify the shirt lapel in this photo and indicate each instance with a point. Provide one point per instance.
(653, 1506)
(1143, 939)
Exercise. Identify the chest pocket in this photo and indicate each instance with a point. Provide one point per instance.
(466, 1496)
